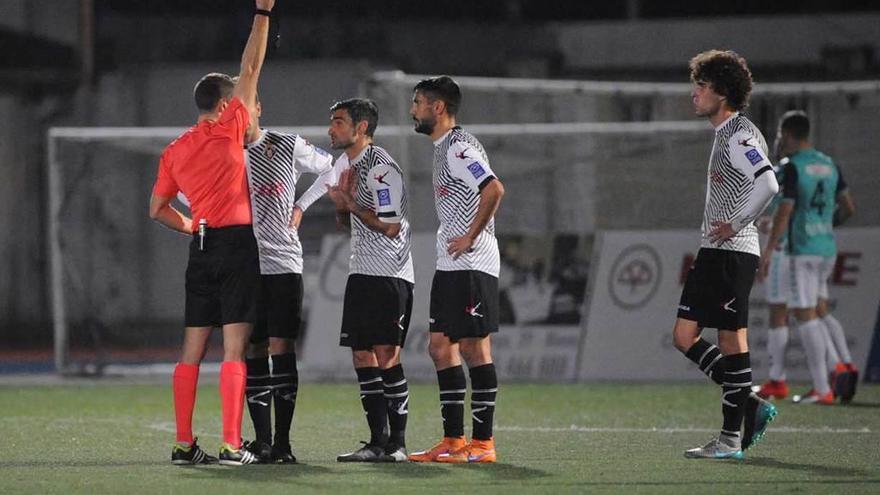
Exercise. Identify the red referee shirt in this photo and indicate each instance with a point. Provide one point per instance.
(206, 163)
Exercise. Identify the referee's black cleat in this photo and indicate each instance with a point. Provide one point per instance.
(367, 453)
(184, 456)
(262, 451)
(231, 457)
(283, 454)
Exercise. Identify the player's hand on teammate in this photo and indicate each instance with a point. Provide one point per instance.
(722, 232)
(296, 218)
(265, 4)
(457, 246)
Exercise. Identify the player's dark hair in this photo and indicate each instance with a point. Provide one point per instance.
(728, 74)
(796, 124)
(211, 89)
(443, 88)
(360, 109)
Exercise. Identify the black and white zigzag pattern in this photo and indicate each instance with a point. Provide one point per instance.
(456, 205)
(372, 253)
(727, 195)
(272, 178)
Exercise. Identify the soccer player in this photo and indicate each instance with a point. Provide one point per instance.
(206, 164)
(740, 183)
(367, 188)
(275, 162)
(776, 279)
(812, 186)
(464, 293)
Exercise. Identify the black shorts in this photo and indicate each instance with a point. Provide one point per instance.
(376, 311)
(716, 292)
(279, 311)
(223, 281)
(464, 304)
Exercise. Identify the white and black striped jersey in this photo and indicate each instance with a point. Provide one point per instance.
(461, 170)
(380, 188)
(739, 156)
(275, 161)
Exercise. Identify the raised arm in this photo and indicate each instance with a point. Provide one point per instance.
(253, 56)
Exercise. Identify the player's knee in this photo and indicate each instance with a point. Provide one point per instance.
(258, 349)
(387, 356)
(475, 352)
(363, 359)
(281, 346)
(440, 354)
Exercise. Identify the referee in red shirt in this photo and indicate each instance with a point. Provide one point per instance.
(206, 163)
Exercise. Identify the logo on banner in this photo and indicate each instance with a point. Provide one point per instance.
(635, 276)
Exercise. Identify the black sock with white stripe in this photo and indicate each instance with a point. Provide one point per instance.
(259, 397)
(708, 357)
(285, 385)
(373, 401)
(453, 386)
(734, 392)
(484, 388)
(397, 401)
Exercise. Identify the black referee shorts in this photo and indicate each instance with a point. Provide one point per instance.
(464, 304)
(279, 310)
(716, 292)
(223, 281)
(376, 311)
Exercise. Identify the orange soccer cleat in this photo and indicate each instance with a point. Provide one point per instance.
(445, 446)
(813, 397)
(476, 451)
(773, 389)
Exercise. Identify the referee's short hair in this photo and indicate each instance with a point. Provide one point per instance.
(210, 89)
(796, 124)
(360, 109)
(728, 74)
(443, 88)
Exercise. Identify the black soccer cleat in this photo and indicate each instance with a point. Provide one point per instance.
(283, 454)
(367, 453)
(262, 451)
(183, 456)
(231, 457)
(395, 453)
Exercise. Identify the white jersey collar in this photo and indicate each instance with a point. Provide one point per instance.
(442, 138)
(257, 141)
(728, 119)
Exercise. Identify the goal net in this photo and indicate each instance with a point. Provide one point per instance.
(117, 278)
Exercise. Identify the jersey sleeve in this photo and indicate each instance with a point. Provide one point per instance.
(748, 156)
(309, 158)
(789, 182)
(234, 120)
(165, 185)
(386, 184)
(468, 165)
(318, 188)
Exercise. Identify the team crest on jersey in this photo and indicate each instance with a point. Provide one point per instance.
(476, 170)
(754, 156)
(270, 150)
(381, 178)
(384, 197)
(462, 155)
(745, 142)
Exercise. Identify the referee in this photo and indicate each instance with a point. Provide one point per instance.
(206, 164)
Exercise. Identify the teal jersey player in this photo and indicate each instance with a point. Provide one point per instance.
(779, 170)
(812, 181)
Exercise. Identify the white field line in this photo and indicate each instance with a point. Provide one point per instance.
(689, 429)
(169, 427)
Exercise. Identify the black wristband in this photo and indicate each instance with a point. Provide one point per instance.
(267, 13)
